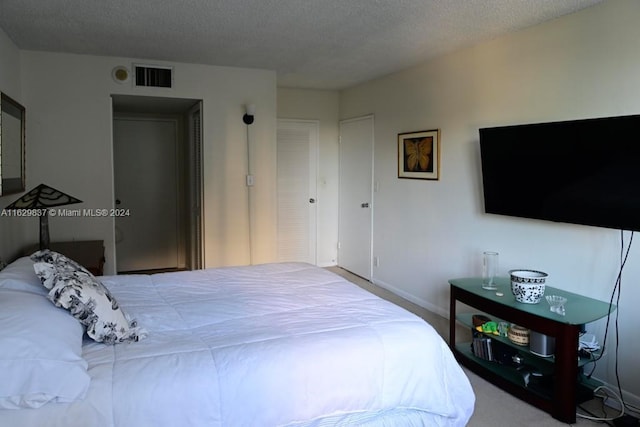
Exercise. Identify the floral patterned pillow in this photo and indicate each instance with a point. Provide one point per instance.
(74, 288)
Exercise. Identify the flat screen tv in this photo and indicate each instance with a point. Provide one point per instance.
(581, 171)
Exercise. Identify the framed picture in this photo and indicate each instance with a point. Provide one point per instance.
(419, 155)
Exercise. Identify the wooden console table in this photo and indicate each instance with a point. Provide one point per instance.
(563, 369)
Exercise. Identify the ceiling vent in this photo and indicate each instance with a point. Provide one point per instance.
(153, 76)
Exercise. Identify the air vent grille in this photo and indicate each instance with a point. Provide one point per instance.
(153, 76)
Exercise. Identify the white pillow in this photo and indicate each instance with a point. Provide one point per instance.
(41, 358)
(19, 275)
(74, 288)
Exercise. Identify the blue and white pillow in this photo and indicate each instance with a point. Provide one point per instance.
(74, 288)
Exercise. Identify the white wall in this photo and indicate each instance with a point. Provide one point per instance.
(425, 232)
(69, 146)
(12, 230)
(320, 105)
(9, 67)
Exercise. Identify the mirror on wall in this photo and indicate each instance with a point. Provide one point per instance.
(11, 146)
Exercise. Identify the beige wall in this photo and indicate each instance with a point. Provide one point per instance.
(425, 232)
(321, 106)
(70, 148)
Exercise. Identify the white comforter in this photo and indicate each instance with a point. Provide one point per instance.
(271, 345)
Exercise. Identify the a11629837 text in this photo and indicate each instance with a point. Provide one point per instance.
(65, 212)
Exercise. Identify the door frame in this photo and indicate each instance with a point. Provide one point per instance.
(193, 172)
(195, 177)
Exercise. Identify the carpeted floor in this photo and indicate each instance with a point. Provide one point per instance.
(494, 407)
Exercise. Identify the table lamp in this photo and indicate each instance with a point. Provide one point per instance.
(43, 198)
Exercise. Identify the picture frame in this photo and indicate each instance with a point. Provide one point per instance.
(419, 155)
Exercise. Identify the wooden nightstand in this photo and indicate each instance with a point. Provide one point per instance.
(88, 253)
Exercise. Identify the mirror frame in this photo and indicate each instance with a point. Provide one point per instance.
(12, 184)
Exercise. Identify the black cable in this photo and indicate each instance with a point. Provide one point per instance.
(623, 261)
(616, 288)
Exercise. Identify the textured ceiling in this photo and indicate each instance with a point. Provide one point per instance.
(323, 44)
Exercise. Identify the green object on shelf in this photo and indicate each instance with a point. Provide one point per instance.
(490, 328)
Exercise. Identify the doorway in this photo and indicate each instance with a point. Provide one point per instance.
(355, 214)
(157, 184)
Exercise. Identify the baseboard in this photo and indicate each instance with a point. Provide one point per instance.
(326, 264)
(412, 298)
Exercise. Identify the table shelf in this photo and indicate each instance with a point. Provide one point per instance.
(562, 385)
(466, 320)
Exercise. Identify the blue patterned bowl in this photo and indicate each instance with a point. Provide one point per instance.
(528, 285)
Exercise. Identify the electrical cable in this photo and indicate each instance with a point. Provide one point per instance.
(249, 198)
(624, 255)
(623, 260)
(616, 288)
(594, 417)
(606, 396)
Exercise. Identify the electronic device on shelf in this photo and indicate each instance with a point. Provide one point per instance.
(542, 345)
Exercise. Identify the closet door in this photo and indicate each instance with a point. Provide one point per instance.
(297, 142)
(356, 197)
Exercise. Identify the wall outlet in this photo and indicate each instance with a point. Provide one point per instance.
(250, 180)
(376, 261)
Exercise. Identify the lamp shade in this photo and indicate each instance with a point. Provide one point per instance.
(43, 197)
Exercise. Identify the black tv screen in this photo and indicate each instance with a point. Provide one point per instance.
(581, 171)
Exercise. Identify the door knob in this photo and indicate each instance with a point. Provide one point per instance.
(118, 202)
(312, 200)
(364, 205)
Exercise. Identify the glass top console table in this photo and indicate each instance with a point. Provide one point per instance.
(564, 389)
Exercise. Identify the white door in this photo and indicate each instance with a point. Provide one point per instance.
(146, 191)
(356, 198)
(297, 142)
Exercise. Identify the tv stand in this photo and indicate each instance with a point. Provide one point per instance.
(566, 387)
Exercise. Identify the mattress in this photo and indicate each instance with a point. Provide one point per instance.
(286, 344)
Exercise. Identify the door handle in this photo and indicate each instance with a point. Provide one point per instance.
(364, 205)
(118, 202)
(312, 200)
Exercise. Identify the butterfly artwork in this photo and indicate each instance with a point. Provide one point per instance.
(419, 155)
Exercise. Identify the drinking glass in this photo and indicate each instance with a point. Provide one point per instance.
(489, 270)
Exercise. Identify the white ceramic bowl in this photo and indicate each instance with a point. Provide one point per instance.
(528, 285)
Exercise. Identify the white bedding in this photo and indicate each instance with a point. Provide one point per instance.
(271, 345)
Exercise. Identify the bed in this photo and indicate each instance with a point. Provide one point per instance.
(284, 344)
